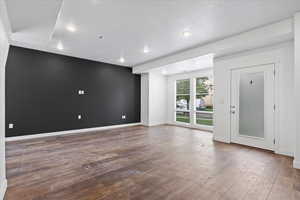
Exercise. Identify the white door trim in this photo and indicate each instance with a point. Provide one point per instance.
(222, 104)
(255, 61)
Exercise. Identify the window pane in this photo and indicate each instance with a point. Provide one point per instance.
(182, 102)
(183, 117)
(204, 118)
(183, 86)
(251, 106)
(202, 85)
(204, 102)
(204, 94)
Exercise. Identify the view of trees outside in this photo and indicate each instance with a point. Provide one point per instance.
(183, 100)
(183, 95)
(203, 101)
(182, 116)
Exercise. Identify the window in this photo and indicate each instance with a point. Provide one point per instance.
(183, 101)
(182, 116)
(204, 101)
(194, 101)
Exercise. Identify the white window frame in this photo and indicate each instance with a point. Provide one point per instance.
(192, 109)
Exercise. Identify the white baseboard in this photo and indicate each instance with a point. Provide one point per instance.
(199, 127)
(3, 187)
(296, 164)
(156, 124)
(285, 153)
(26, 137)
(221, 139)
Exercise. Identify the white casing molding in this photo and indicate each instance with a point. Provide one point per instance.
(3, 187)
(26, 137)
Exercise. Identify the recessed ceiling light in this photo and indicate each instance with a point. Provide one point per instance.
(164, 71)
(60, 46)
(146, 49)
(122, 60)
(71, 28)
(187, 34)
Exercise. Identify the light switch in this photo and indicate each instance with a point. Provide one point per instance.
(10, 126)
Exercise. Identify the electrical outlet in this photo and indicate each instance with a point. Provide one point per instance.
(123, 116)
(10, 125)
(81, 92)
(79, 117)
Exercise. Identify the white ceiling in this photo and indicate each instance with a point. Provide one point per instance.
(129, 25)
(189, 65)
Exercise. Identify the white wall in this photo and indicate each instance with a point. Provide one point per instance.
(145, 99)
(297, 89)
(153, 99)
(157, 98)
(171, 93)
(282, 56)
(3, 56)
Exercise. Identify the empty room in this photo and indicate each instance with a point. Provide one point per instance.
(149, 100)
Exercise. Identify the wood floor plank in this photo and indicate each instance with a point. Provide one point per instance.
(142, 163)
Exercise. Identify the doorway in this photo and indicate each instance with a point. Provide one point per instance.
(252, 106)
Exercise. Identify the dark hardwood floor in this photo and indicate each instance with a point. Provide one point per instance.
(164, 162)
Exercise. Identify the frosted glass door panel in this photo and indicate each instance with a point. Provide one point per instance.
(251, 105)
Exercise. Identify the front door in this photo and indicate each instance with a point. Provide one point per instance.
(252, 106)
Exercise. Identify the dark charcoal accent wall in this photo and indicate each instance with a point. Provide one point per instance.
(42, 93)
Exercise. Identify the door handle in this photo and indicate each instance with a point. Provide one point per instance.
(232, 111)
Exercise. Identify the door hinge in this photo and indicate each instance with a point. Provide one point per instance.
(274, 107)
(274, 72)
(274, 141)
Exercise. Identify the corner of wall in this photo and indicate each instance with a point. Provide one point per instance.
(4, 46)
(296, 88)
(3, 188)
(296, 164)
(157, 99)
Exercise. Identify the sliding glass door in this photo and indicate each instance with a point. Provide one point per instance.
(204, 101)
(194, 102)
